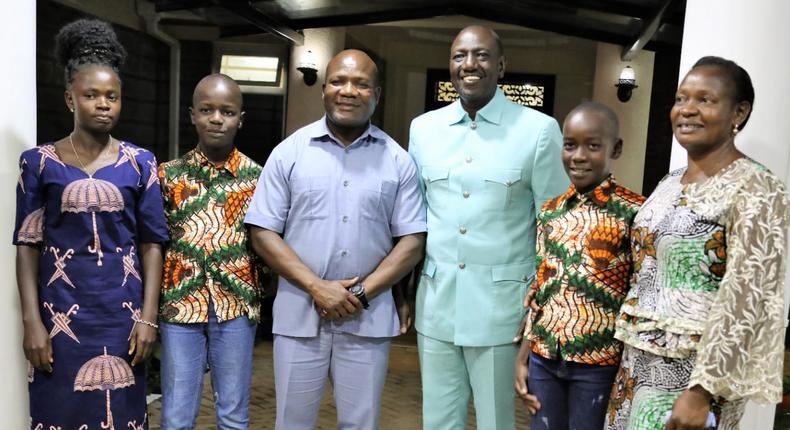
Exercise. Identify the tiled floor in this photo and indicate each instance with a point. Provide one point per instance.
(401, 405)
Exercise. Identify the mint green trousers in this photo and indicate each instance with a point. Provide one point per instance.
(450, 374)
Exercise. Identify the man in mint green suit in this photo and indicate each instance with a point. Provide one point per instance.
(486, 167)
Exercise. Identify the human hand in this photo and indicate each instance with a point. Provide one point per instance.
(333, 300)
(522, 389)
(690, 410)
(530, 302)
(38, 346)
(404, 314)
(532, 310)
(141, 342)
(521, 327)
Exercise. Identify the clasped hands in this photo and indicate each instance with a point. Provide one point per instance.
(333, 300)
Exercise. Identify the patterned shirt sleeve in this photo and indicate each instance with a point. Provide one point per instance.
(740, 353)
(29, 227)
(151, 223)
(540, 251)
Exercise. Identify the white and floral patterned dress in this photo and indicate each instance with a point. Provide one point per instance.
(706, 300)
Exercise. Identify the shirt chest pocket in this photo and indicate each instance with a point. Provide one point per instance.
(501, 187)
(310, 198)
(377, 200)
(437, 185)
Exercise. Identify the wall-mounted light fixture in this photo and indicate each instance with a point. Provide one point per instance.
(626, 84)
(308, 68)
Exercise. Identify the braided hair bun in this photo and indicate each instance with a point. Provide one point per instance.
(88, 41)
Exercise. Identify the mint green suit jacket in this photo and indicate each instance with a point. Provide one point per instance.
(484, 182)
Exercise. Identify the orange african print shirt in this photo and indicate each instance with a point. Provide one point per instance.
(583, 269)
(210, 256)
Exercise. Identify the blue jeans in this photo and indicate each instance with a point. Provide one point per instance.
(187, 351)
(573, 396)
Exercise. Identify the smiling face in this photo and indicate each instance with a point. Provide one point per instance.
(704, 113)
(476, 64)
(590, 143)
(351, 93)
(216, 113)
(95, 97)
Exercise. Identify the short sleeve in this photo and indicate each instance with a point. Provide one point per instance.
(272, 199)
(29, 226)
(415, 156)
(540, 250)
(741, 350)
(408, 215)
(150, 213)
(548, 176)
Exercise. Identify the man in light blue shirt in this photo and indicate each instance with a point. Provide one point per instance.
(486, 166)
(346, 199)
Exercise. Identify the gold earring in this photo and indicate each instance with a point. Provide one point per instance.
(71, 109)
(735, 129)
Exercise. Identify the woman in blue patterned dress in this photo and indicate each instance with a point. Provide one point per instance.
(89, 229)
(703, 322)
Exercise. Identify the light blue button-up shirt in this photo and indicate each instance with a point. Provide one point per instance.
(484, 182)
(339, 209)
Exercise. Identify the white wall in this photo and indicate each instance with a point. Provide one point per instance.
(304, 103)
(753, 34)
(17, 133)
(634, 114)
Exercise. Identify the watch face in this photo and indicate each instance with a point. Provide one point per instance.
(356, 289)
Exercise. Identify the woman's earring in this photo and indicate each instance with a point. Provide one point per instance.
(71, 109)
(735, 129)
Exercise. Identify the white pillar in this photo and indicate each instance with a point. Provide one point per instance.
(753, 34)
(17, 133)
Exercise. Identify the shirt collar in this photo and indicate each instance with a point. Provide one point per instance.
(491, 112)
(598, 196)
(320, 130)
(231, 164)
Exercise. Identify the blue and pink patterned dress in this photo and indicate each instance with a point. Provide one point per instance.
(89, 230)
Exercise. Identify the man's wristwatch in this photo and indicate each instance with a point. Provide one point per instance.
(358, 290)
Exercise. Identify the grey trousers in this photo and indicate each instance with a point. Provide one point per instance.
(356, 366)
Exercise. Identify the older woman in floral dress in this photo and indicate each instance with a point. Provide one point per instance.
(703, 323)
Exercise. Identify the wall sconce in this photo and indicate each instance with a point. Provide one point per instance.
(308, 69)
(626, 84)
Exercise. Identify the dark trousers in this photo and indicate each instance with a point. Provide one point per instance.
(573, 396)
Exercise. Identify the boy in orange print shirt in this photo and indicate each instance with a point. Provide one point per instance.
(569, 354)
(210, 302)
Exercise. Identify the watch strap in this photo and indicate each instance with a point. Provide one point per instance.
(363, 298)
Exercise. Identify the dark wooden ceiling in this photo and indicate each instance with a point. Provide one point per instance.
(622, 22)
